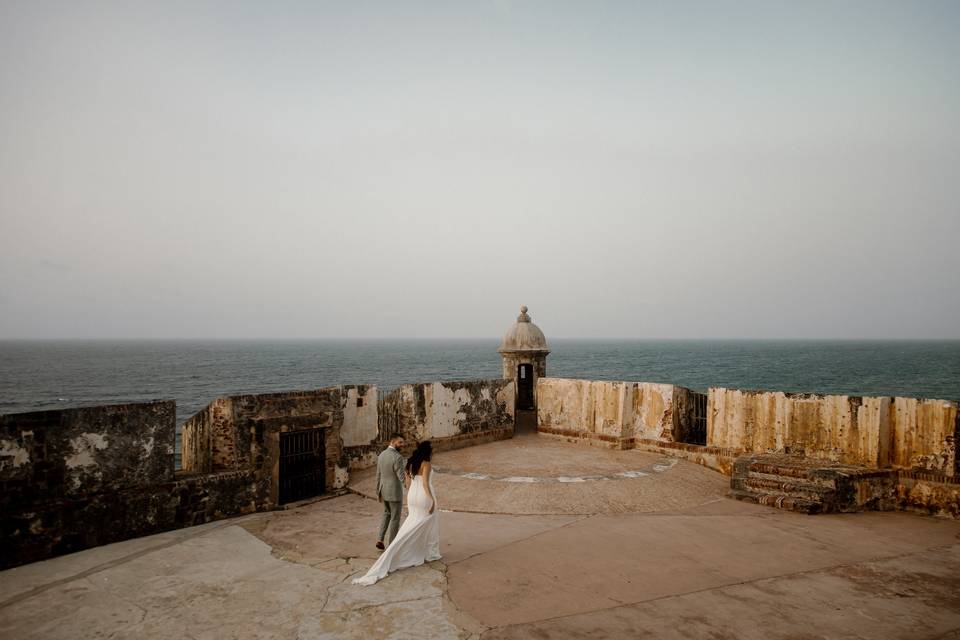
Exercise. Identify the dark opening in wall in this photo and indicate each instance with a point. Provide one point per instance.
(697, 432)
(525, 390)
(302, 465)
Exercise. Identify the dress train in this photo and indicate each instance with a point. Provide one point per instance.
(418, 539)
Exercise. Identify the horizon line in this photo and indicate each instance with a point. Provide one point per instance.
(467, 338)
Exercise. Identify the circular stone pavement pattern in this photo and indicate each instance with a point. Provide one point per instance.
(534, 474)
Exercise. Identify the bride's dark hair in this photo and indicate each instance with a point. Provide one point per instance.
(420, 455)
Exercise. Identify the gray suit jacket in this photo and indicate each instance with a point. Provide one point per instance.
(390, 465)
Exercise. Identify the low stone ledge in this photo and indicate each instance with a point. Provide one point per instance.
(470, 439)
(586, 437)
(715, 458)
(927, 492)
(928, 476)
(365, 456)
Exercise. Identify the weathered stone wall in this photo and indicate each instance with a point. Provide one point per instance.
(260, 419)
(931, 493)
(924, 435)
(449, 414)
(873, 432)
(77, 478)
(64, 474)
(69, 453)
(361, 414)
(196, 441)
(659, 411)
(242, 433)
(51, 528)
(612, 413)
(682, 418)
(512, 361)
(74, 478)
(591, 410)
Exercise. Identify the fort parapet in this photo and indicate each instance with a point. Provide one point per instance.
(78, 478)
(874, 432)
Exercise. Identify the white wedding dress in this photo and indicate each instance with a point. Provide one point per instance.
(418, 539)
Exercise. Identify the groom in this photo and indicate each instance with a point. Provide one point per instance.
(390, 465)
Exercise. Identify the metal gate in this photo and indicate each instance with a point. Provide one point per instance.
(303, 471)
(698, 419)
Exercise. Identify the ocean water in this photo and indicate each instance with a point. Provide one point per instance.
(37, 375)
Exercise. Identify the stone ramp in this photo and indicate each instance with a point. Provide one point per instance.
(811, 486)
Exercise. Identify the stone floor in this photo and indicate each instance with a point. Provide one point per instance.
(540, 475)
(694, 565)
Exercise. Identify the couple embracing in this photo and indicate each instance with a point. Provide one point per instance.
(418, 540)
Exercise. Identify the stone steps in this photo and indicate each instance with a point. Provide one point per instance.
(787, 503)
(790, 487)
(806, 485)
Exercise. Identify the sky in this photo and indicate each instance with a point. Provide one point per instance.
(404, 169)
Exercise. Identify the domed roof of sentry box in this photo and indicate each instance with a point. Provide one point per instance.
(523, 335)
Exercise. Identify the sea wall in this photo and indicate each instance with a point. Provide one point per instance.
(876, 432)
(75, 478)
(615, 414)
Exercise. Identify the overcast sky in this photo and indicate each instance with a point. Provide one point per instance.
(296, 170)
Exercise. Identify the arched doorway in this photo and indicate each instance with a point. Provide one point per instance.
(525, 390)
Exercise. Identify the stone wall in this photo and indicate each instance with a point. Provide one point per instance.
(197, 437)
(75, 478)
(54, 528)
(70, 453)
(930, 493)
(873, 432)
(449, 414)
(924, 435)
(614, 414)
(242, 433)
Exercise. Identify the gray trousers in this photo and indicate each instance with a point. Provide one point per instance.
(391, 520)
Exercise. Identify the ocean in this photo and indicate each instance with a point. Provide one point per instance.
(37, 375)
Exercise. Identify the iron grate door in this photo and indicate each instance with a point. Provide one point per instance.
(303, 471)
(698, 430)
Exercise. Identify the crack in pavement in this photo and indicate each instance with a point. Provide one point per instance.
(383, 604)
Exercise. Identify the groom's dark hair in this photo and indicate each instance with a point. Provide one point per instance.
(396, 436)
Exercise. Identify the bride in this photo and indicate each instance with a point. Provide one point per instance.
(418, 539)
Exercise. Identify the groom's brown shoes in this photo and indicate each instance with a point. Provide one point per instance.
(380, 544)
